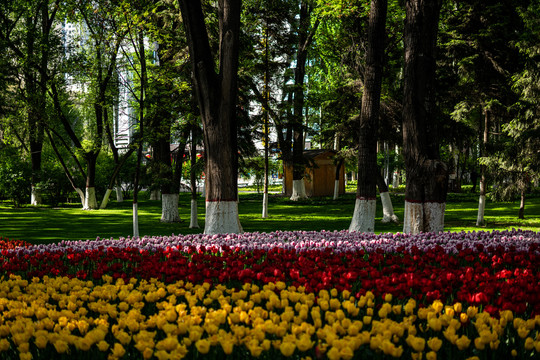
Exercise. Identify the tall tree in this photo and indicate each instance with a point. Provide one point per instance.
(169, 80)
(217, 97)
(364, 211)
(515, 162)
(305, 37)
(427, 179)
(479, 59)
(28, 35)
(91, 79)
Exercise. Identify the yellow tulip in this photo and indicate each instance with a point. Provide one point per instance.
(304, 343)
(61, 346)
(523, 332)
(287, 348)
(40, 341)
(168, 344)
(346, 353)
(227, 346)
(123, 337)
(333, 354)
(479, 344)
(432, 355)
(203, 346)
(463, 342)
(25, 356)
(103, 346)
(254, 348)
(529, 343)
(472, 311)
(24, 347)
(434, 343)
(494, 345)
(418, 344)
(435, 324)
(118, 350)
(437, 306)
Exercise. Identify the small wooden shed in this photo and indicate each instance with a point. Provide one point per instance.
(320, 174)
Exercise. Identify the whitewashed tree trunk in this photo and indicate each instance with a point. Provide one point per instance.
(169, 208)
(154, 195)
(395, 182)
(222, 217)
(388, 209)
(413, 218)
(265, 206)
(90, 202)
(423, 217)
(81, 195)
(135, 220)
(364, 216)
(105, 200)
(119, 194)
(434, 216)
(480, 221)
(299, 190)
(35, 197)
(336, 189)
(194, 222)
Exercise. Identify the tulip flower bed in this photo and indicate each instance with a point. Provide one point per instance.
(284, 294)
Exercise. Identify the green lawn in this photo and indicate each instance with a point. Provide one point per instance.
(45, 224)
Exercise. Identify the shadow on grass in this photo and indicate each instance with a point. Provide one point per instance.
(46, 224)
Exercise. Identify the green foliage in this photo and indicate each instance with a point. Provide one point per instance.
(14, 176)
(254, 167)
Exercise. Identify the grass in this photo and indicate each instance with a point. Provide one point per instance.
(47, 224)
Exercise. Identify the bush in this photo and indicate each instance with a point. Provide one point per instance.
(15, 175)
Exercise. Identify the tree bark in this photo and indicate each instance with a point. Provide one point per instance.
(521, 214)
(193, 223)
(364, 211)
(336, 178)
(480, 221)
(388, 208)
(427, 178)
(217, 96)
(141, 101)
(305, 38)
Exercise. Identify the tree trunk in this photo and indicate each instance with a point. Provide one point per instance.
(336, 179)
(141, 101)
(364, 211)
(521, 214)
(90, 200)
(119, 194)
(36, 112)
(119, 163)
(193, 223)
(304, 40)
(427, 175)
(480, 221)
(266, 122)
(169, 200)
(388, 208)
(217, 98)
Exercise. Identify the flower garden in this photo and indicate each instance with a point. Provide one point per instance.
(300, 295)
